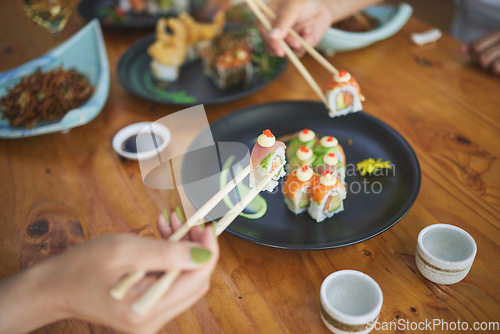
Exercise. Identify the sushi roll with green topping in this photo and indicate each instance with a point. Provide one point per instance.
(305, 138)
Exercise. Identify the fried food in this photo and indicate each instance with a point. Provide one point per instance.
(45, 96)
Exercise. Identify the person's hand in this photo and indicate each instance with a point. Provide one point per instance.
(76, 283)
(309, 18)
(485, 52)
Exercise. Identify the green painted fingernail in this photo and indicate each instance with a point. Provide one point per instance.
(178, 211)
(165, 215)
(200, 255)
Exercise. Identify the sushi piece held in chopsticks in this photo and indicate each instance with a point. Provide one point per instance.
(330, 162)
(303, 156)
(343, 94)
(327, 196)
(296, 189)
(305, 138)
(267, 154)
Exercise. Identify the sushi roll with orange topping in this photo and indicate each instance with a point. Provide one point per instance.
(343, 94)
(296, 189)
(327, 195)
(305, 138)
(267, 154)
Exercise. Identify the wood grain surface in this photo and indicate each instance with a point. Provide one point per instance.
(61, 189)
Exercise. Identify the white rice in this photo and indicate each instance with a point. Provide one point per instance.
(164, 72)
(317, 212)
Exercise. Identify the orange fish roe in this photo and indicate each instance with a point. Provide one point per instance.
(330, 138)
(305, 168)
(268, 133)
(306, 131)
(304, 149)
(342, 73)
(327, 172)
(332, 155)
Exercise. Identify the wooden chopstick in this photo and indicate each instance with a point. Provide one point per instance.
(161, 286)
(120, 290)
(311, 50)
(293, 58)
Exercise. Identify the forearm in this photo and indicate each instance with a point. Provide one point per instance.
(342, 9)
(26, 301)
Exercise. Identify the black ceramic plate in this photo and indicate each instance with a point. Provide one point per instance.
(192, 87)
(367, 213)
(105, 11)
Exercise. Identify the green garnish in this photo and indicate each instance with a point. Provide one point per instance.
(177, 97)
(369, 166)
(258, 205)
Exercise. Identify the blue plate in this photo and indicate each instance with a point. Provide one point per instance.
(86, 52)
(391, 17)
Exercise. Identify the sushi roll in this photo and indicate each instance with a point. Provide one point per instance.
(266, 155)
(227, 62)
(296, 189)
(305, 138)
(329, 144)
(330, 162)
(303, 156)
(327, 195)
(343, 94)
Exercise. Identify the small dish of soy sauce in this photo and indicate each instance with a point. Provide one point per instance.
(142, 140)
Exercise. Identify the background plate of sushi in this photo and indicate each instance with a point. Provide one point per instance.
(120, 13)
(192, 86)
(374, 203)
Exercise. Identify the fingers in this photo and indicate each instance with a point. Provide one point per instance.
(489, 56)
(159, 255)
(287, 14)
(484, 43)
(485, 52)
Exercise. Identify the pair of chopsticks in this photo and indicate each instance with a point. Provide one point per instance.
(156, 291)
(258, 7)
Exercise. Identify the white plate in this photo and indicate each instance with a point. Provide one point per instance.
(141, 128)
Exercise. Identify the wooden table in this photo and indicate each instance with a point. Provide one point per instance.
(446, 109)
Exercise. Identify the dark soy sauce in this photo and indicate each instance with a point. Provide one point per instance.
(148, 142)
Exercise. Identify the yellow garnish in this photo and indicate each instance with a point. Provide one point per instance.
(371, 165)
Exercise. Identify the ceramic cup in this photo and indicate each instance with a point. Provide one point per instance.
(444, 253)
(350, 302)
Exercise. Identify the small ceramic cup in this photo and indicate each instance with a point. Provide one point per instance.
(444, 253)
(350, 302)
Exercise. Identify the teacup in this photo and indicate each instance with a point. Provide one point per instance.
(444, 253)
(350, 302)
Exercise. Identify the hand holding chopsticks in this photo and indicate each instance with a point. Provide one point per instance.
(156, 291)
(257, 7)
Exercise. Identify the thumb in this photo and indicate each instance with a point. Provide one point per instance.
(286, 16)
